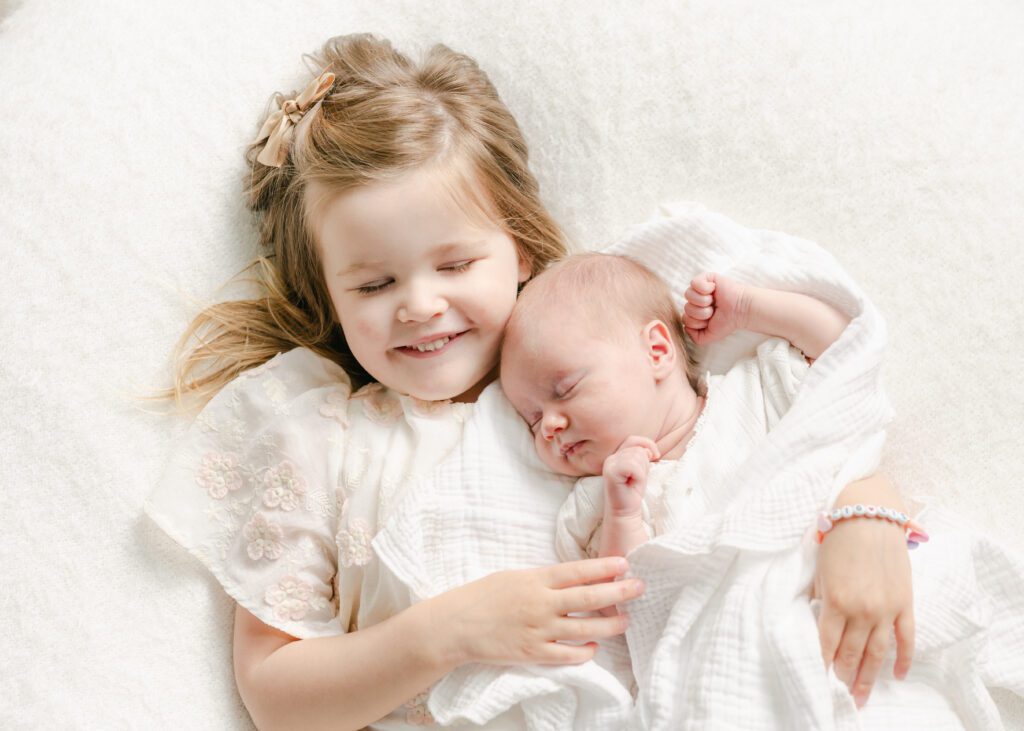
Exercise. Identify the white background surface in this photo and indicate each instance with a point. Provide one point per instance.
(891, 133)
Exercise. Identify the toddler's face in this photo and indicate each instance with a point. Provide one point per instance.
(421, 290)
(581, 395)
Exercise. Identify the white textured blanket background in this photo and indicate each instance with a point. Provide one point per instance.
(891, 133)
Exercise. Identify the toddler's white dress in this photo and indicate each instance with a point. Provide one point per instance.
(741, 406)
(281, 483)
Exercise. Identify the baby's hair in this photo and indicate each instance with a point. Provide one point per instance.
(615, 294)
(383, 116)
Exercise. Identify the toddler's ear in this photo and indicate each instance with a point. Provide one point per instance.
(661, 351)
(525, 270)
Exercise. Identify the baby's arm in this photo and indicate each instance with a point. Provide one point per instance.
(625, 480)
(717, 305)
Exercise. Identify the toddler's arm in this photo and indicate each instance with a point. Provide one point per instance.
(716, 306)
(625, 480)
(354, 679)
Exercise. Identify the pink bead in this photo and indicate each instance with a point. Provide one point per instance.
(824, 523)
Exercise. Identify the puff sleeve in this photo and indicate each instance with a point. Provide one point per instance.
(251, 491)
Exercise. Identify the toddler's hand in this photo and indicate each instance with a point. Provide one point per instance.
(528, 616)
(715, 307)
(625, 474)
(863, 580)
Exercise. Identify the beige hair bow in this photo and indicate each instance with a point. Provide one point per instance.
(278, 130)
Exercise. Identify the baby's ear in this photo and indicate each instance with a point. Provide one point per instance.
(661, 351)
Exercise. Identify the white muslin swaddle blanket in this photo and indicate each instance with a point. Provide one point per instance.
(725, 635)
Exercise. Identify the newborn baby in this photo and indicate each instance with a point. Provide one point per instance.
(598, 362)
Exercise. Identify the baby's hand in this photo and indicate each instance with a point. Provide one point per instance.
(625, 474)
(715, 307)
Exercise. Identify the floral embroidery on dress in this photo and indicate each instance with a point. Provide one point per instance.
(275, 389)
(264, 538)
(335, 406)
(379, 405)
(418, 714)
(354, 544)
(218, 473)
(284, 486)
(419, 407)
(356, 464)
(292, 598)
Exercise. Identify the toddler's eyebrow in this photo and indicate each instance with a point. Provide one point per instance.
(445, 249)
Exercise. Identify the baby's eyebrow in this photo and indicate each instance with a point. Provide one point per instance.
(563, 380)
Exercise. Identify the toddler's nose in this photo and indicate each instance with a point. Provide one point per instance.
(421, 304)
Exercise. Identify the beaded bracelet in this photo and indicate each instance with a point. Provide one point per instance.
(827, 519)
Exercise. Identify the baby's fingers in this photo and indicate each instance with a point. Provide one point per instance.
(696, 298)
(643, 443)
(703, 283)
(699, 315)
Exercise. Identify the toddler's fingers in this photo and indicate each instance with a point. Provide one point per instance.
(701, 300)
(578, 629)
(597, 596)
(589, 570)
(874, 654)
(558, 653)
(851, 651)
(904, 643)
(830, 631)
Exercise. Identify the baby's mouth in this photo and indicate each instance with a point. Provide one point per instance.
(569, 449)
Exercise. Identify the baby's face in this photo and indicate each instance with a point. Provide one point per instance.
(581, 395)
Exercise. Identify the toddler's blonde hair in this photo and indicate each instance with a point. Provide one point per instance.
(383, 116)
(614, 293)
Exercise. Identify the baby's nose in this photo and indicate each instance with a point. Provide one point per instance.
(551, 425)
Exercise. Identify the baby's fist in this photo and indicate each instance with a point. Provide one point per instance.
(716, 306)
(625, 473)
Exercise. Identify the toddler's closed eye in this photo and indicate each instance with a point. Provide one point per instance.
(459, 266)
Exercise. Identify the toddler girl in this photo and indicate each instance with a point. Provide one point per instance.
(398, 218)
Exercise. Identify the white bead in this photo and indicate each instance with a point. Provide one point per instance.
(847, 511)
(858, 509)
